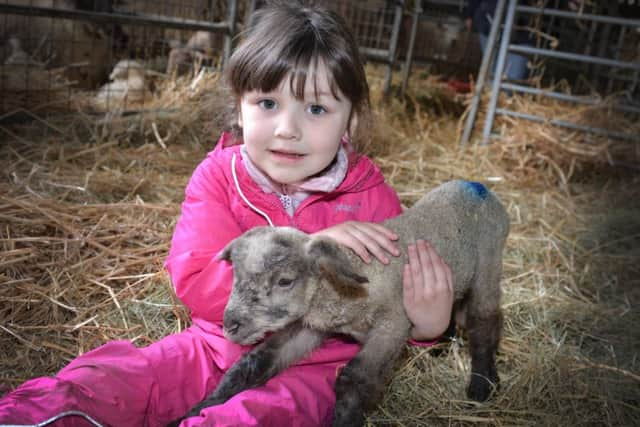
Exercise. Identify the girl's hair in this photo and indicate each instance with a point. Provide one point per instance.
(289, 38)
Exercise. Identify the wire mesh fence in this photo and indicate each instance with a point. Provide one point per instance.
(106, 55)
(372, 22)
(103, 55)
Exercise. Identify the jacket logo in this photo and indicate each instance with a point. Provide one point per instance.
(343, 207)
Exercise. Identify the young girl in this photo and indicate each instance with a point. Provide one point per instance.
(300, 92)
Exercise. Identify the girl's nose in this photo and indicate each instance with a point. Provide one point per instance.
(287, 126)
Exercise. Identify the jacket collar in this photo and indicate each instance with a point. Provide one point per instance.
(361, 175)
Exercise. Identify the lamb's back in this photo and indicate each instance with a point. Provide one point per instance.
(460, 219)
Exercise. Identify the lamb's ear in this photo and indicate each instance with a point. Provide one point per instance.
(225, 254)
(335, 267)
(239, 243)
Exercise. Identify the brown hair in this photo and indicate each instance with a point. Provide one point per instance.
(290, 38)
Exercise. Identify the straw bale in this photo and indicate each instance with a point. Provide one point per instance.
(87, 210)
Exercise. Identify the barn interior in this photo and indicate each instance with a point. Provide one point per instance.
(107, 107)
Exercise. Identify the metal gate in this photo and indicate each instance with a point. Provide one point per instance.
(615, 69)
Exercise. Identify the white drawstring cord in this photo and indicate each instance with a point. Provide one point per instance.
(55, 418)
(235, 180)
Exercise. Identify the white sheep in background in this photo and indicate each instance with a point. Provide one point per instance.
(304, 289)
(18, 56)
(199, 48)
(126, 89)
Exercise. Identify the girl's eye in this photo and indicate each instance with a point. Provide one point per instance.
(316, 109)
(267, 104)
(285, 283)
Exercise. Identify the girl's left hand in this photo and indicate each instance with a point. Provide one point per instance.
(428, 292)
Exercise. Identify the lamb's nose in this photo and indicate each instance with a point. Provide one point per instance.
(231, 325)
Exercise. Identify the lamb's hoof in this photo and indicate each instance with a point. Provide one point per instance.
(348, 422)
(343, 417)
(481, 388)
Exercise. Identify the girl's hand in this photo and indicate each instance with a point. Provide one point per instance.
(364, 238)
(428, 292)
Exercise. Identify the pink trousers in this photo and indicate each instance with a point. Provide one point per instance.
(120, 385)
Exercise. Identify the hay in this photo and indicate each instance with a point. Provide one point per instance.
(82, 252)
(87, 210)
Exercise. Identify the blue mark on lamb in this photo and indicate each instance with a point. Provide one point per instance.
(477, 188)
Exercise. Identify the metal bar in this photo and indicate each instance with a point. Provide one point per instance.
(232, 10)
(592, 33)
(378, 39)
(552, 21)
(482, 74)
(633, 84)
(573, 56)
(210, 6)
(601, 52)
(570, 125)
(393, 44)
(497, 78)
(616, 56)
(589, 47)
(570, 98)
(455, 3)
(380, 55)
(249, 14)
(417, 10)
(550, 94)
(115, 18)
(580, 16)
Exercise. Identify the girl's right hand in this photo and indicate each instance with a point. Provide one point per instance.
(364, 238)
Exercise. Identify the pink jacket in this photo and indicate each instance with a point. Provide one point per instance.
(214, 213)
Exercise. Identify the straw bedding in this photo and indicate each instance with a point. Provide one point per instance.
(87, 209)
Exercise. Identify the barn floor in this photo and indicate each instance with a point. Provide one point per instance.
(87, 209)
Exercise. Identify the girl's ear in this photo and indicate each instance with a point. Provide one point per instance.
(239, 117)
(353, 124)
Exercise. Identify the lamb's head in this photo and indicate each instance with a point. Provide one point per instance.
(127, 69)
(276, 274)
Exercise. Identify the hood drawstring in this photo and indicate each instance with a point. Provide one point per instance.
(242, 196)
(56, 418)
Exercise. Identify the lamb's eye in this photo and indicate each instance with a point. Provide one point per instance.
(284, 282)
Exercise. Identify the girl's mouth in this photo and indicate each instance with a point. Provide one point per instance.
(286, 154)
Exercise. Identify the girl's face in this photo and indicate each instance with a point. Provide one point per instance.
(289, 139)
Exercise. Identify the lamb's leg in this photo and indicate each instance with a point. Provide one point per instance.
(260, 364)
(484, 327)
(362, 380)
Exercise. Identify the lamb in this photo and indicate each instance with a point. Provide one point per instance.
(199, 48)
(19, 56)
(127, 87)
(302, 289)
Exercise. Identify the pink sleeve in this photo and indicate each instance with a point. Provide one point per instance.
(388, 204)
(205, 226)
